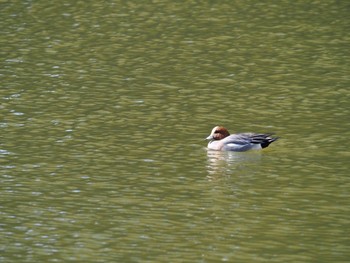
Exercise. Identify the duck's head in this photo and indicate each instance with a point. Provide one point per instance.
(218, 133)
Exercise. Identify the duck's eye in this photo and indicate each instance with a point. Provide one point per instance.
(217, 131)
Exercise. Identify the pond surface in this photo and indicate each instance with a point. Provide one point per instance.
(104, 111)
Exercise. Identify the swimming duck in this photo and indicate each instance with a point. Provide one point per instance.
(221, 140)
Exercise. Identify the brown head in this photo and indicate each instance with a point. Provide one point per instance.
(218, 133)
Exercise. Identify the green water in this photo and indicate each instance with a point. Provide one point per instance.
(105, 107)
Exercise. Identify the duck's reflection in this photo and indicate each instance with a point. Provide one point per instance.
(224, 163)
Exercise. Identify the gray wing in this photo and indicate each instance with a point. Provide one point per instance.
(246, 141)
(247, 138)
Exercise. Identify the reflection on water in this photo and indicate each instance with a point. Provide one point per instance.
(224, 163)
(4, 152)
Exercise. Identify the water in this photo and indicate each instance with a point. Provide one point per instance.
(104, 111)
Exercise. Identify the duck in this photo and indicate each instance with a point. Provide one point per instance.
(221, 140)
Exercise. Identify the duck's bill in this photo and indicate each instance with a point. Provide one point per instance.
(210, 137)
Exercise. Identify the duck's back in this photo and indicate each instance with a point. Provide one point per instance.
(245, 141)
(240, 142)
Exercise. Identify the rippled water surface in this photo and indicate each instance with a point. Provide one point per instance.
(105, 107)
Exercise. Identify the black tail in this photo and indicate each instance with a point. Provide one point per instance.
(267, 141)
